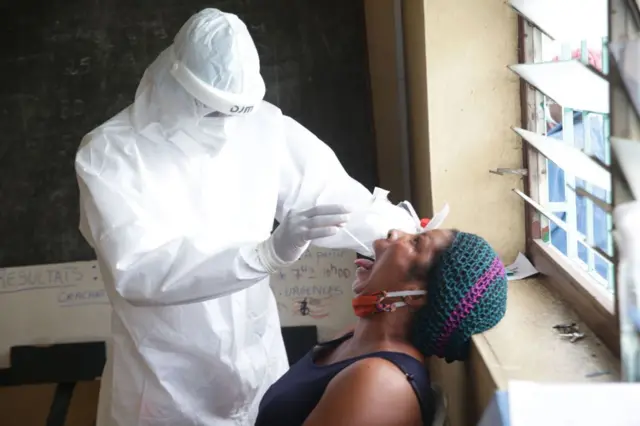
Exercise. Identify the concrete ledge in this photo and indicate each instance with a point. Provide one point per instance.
(524, 346)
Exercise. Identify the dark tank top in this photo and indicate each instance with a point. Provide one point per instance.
(290, 400)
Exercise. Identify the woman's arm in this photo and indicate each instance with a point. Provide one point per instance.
(371, 392)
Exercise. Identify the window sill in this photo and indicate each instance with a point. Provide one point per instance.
(591, 302)
(524, 346)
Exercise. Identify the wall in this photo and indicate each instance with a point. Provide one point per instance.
(386, 96)
(473, 100)
(462, 102)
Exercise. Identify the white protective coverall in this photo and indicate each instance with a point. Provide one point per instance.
(175, 205)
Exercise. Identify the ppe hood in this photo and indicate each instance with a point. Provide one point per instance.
(216, 61)
(213, 60)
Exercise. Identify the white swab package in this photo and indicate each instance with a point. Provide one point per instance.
(438, 219)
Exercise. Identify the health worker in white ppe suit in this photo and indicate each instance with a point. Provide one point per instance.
(178, 195)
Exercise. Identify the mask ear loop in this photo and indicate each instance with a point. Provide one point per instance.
(403, 295)
(384, 307)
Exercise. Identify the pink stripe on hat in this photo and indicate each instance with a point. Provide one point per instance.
(468, 302)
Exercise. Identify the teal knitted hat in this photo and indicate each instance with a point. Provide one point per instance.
(466, 295)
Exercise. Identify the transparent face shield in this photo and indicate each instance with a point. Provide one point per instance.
(215, 114)
(203, 111)
(421, 225)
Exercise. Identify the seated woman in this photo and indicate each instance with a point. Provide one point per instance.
(425, 295)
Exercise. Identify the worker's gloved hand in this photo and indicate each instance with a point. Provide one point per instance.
(292, 237)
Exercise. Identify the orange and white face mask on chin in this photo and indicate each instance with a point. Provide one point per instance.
(365, 305)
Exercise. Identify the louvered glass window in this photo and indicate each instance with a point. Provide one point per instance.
(569, 130)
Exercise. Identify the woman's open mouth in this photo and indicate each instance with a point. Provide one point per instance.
(363, 270)
(364, 263)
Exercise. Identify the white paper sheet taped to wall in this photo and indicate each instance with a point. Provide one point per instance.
(63, 303)
(48, 304)
(317, 291)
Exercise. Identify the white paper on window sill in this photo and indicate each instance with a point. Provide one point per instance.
(579, 404)
(520, 269)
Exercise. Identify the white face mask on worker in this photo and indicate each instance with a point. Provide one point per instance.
(214, 123)
(219, 127)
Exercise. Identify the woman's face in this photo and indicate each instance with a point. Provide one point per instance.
(398, 259)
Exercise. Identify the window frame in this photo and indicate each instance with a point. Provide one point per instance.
(624, 23)
(592, 303)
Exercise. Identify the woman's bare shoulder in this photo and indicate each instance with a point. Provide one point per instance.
(362, 394)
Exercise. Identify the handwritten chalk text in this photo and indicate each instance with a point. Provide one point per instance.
(12, 280)
(333, 271)
(322, 254)
(330, 254)
(84, 297)
(303, 272)
(313, 291)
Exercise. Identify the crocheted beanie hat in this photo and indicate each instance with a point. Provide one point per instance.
(466, 295)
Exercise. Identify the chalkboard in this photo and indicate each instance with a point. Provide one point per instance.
(69, 65)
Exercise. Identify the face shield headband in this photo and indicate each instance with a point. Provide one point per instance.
(217, 100)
